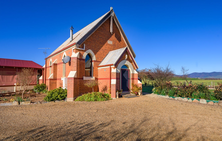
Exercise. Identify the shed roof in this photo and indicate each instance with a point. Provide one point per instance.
(18, 63)
(112, 57)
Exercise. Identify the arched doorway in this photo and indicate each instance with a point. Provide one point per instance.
(125, 78)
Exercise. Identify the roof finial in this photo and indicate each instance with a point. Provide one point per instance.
(111, 8)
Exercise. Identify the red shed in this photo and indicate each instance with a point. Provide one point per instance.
(9, 69)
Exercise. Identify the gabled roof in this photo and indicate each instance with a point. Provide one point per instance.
(19, 63)
(112, 57)
(80, 36)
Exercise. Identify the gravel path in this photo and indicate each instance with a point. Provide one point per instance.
(142, 118)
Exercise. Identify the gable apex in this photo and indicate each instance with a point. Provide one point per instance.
(83, 34)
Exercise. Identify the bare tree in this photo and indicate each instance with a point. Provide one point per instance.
(185, 73)
(161, 75)
(143, 74)
(25, 78)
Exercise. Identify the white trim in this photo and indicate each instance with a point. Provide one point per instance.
(127, 63)
(59, 52)
(89, 51)
(88, 78)
(114, 70)
(51, 76)
(39, 77)
(54, 61)
(75, 54)
(64, 54)
(113, 81)
(139, 82)
(43, 66)
(50, 62)
(103, 67)
(72, 74)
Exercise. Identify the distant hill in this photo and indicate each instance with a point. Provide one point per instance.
(206, 75)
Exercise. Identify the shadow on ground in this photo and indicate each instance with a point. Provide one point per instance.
(107, 131)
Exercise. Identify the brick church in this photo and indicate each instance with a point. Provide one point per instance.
(101, 52)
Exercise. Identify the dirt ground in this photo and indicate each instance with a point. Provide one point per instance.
(141, 118)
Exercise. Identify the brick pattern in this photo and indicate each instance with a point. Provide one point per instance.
(98, 43)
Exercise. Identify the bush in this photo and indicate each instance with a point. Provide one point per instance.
(40, 88)
(163, 92)
(218, 91)
(135, 89)
(157, 90)
(19, 99)
(56, 94)
(94, 96)
(171, 92)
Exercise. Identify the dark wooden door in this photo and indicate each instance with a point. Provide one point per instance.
(125, 79)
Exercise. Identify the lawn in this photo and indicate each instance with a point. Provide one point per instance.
(211, 83)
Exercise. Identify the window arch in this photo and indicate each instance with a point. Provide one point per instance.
(64, 67)
(50, 67)
(88, 66)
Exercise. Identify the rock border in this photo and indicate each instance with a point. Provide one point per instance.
(15, 103)
(202, 101)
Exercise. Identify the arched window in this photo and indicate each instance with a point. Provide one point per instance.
(50, 67)
(88, 66)
(124, 67)
(64, 68)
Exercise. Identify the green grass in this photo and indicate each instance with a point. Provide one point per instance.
(199, 81)
(196, 81)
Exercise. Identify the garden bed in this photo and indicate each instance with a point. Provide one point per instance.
(204, 101)
(33, 97)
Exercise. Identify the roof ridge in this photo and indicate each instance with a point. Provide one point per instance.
(77, 35)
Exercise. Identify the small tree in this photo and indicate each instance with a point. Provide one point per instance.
(185, 74)
(91, 84)
(25, 78)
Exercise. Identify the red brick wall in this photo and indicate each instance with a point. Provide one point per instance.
(98, 43)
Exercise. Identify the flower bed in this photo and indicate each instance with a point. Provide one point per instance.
(195, 91)
(214, 101)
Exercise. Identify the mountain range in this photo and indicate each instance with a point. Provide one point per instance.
(205, 75)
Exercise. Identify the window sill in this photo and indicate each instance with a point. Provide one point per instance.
(88, 78)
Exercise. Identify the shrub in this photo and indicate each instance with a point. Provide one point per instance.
(218, 91)
(157, 90)
(56, 94)
(19, 99)
(94, 96)
(163, 92)
(135, 89)
(171, 92)
(40, 88)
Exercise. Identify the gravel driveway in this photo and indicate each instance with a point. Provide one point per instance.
(142, 118)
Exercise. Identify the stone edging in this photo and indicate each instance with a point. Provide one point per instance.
(202, 101)
(27, 103)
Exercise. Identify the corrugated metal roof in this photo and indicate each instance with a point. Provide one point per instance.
(79, 35)
(112, 57)
(19, 63)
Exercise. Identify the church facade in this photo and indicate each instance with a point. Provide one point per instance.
(99, 52)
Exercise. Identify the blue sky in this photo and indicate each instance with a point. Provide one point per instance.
(177, 33)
